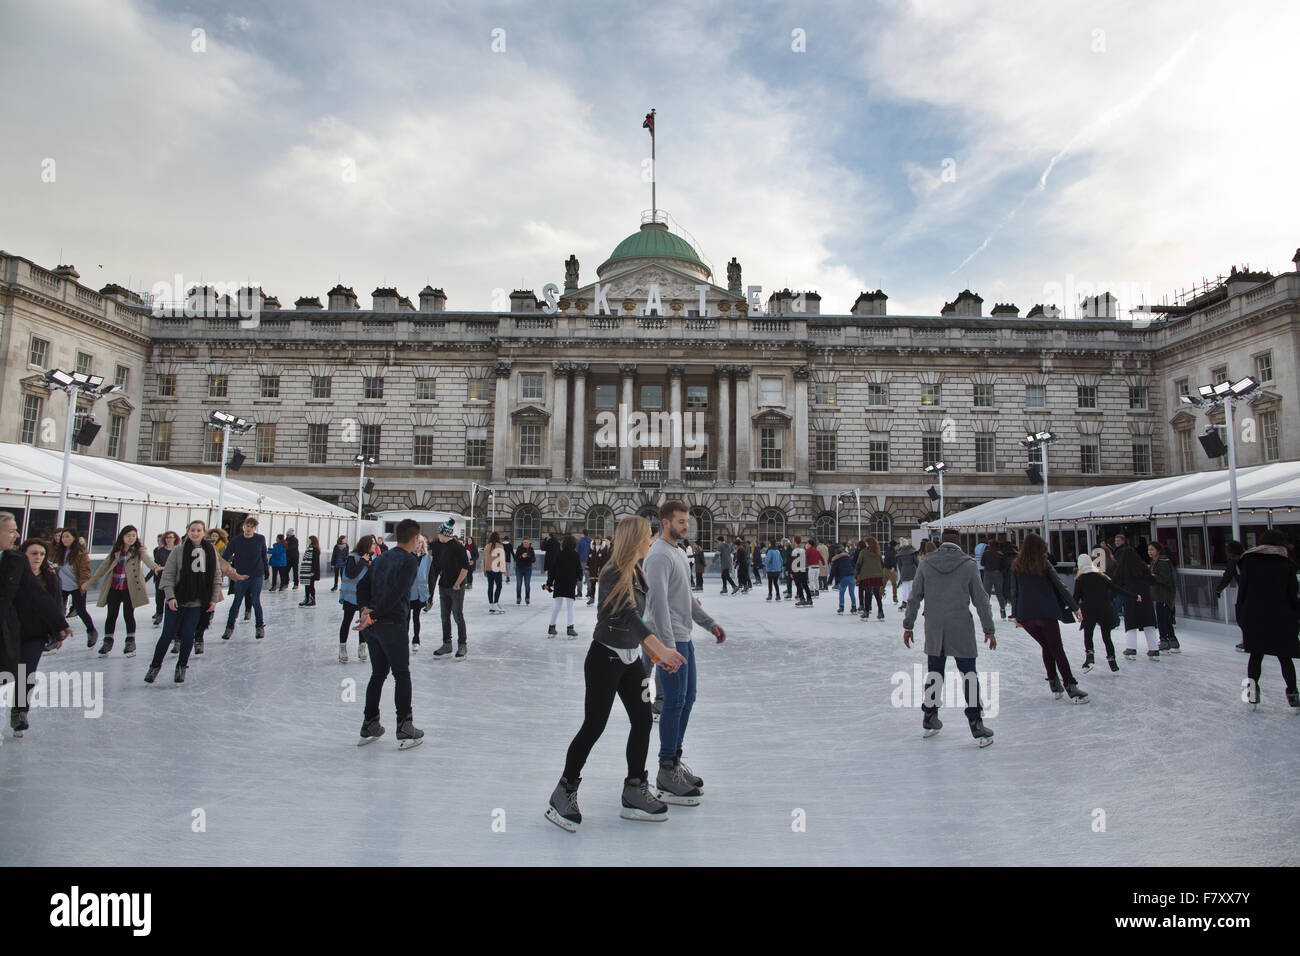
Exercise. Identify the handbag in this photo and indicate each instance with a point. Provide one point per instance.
(1066, 616)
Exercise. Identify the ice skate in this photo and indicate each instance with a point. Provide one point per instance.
(225, 635)
(841, 610)
(698, 782)
(1077, 696)
(656, 708)
(180, 674)
(1293, 699)
(18, 721)
(198, 645)
(1130, 653)
(462, 652)
(982, 735)
(106, 646)
(157, 619)
(362, 654)
(570, 632)
(1088, 663)
(444, 652)
(1153, 655)
(176, 646)
(1252, 694)
(931, 724)
(551, 631)
(92, 637)
(408, 735)
(371, 730)
(343, 653)
(1058, 691)
(1174, 646)
(261, 631)
(415, 646)
(1113, 665)
(674, 788)
(563, 810)
(151, 674)
(129, 647)
(640, 804)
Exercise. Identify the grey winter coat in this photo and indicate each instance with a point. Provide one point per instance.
(906, 561)
(948, 581)
(724, 556)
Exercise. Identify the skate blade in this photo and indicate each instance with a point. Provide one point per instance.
(1058, 696)
(986, 742)
(1081, 700)
(676, 800)
(928, 733)
(641, 816)
(566, 825)
(361, 742)
(407, 744)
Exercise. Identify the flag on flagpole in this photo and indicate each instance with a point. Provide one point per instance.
(649, 123)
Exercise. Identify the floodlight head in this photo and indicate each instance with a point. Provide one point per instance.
(934, 495)
(1207, 391)
(80, 378)
(109, 389)
(1244, 387)
(95, 380)
(242, 424)
(1188, 400)
(56, 376)
(1223, 388)
(1029, 440)
(221, 418)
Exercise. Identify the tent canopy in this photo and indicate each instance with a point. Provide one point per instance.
(1275, 486)
(27, 470)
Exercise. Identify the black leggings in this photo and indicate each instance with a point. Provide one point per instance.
(79, 605)
(1105, 636)
(801, 584)
(416, 607)
(774, 584)
(309, 588)
(607, 675)
(865, 595)
(1256, 664)
(349, 610)
(336, 579)
(119, 599)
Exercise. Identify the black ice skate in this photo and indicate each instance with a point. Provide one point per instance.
(261, 631)
(1058, 691)
(570, 632)
(640, 804)
(106, 646)
(152, 673)
(408, 735)
(563, 811)
(371, 730)
(931, 724)
(462, 652)
(551, 631)
(982, 735)
(176, 645)
(1293, 698)
(18, 721)
(128, 649)
(1088, 663)
(180, 674)
(1130, 653)
(1077, 696)
(444, 652)
(674, 788)
(92, 636)
(225, 635)
(1113, 665)
(1153, 655)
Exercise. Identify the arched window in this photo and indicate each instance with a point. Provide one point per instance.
(651, 514)
(600, 522)
(528, 524)
(823, 528)
(882, 526)
(771, 524)
(701, 527)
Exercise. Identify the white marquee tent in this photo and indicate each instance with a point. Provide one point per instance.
(118, 493)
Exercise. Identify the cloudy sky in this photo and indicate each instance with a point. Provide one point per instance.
(1026, 151)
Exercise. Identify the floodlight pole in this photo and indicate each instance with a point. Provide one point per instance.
(1046, 539)
(67, 452)
(1232, 466)
(941, 508)
(221, 485)
(361, 494)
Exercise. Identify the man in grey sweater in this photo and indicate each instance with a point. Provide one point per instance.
(948, 581)
(725, 562)
(670, 612)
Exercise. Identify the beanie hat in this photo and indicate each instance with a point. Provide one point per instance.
(1085, 564)
(448, 529)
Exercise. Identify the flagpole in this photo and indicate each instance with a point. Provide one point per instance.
(654, 206)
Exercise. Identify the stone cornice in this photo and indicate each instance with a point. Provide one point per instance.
(98, 321)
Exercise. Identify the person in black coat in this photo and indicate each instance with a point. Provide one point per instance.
(1095, 592)
(563, 579)
(338, 557)
(1268, 610)
(1234, 550)
(26, 607)
(1134, 574)
(524, 557)
(292, 556)
(1039, 602)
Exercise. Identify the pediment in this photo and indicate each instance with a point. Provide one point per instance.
(772, 417)
(121, 404)
(1184, 419)
(1265, 399)
(530, 413)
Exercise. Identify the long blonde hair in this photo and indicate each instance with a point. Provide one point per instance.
(629, 536)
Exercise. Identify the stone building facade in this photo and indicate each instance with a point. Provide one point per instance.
(761, 415)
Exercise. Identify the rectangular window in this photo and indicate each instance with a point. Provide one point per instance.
(476, 448)
(1186, 451)
(652, 396)
(218, 386)
(270, 385)
(38, 352)
(478, 390)
(212, 439)
(1035, 396)
(931, 448)
(824, 393)
(116, 429)
(606, 396)
(877, 393)
(769, 390)
(983, 395)
(318, 443)
(371, 439)
(1219, 374)
(878, 453)
(424, 448)
(931, 394)
(697, 396)
(1090, 454)
(1269, 433)
(167, 385)
(426, 389)
(32, 407)
(825, 451)
(604, 457)
(266, 444)
(373, 386)
(1087, 396)
(985, 452)
(531, 386)
(1137, 396)
(1141, 455)
(1181, 388)
(162, 441)
(770, 449)
(85, 363)
(1264, 367)
(322, 386)
(121, 376)
(530, 445)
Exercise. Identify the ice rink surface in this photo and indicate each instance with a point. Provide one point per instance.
(805, 755)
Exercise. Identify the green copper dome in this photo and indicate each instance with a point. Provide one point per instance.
(654, 241)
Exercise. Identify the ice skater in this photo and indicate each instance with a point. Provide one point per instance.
(40, 632)
(73, 563)
(309, 571)
(420, 593)
(564, 580)
(1268, 610)
(871, 577)
(354, 569)
(384, 594)
(613, 668)
(842, 577)
(1095, 593)
(1164, 591)
(799, 572)
(670, 613)
(1039, 603)
(494, 568)
(192, 580)
(1132, 574)
(525, 557)
(123, 586)
(248, 555)
(906, 561)
(773, 563)
(453, 569)
(948, 581)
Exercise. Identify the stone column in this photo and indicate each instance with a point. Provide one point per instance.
(580, 370)
(801, 425)
(744, 427)
(675, 374)
(628, 371)
(560, 421)
(722, 459)
(501, 423)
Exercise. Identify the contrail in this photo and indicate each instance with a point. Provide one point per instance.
(1102, 121)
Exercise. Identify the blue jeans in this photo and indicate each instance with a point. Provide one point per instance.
(523, 582)
(494, 586)
(679, 698)
(182, 623)
(934, 684)
(846, 584)
(250, 591)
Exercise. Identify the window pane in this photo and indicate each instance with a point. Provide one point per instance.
(652, 396)
(531, 385)
(697, 396)
(985, 452)
(1272, 440)
(1087, 396)
(374, 387)
(606, 396)
(39, 352)
(1137, 396)
(530, 445)
(475, 453)
(85, 363)
(1264, 367)
(115, 429)
(426, 389)
(878, 453)
(162, 441)
(167, 386)
(212, 439)
(769, 391)
(877, 394)
(270, 386)
(122, 376)
(1035, 396)
(478, 390)
(424, 448)
(265, 444)
(321, 386)
(370, 440)
(983, 396)
(824, 393)
(1089, 455)
(931, 394)
(32, 406)
(318, 439)
(217, 386)
(1141, 455)
(825, 451)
